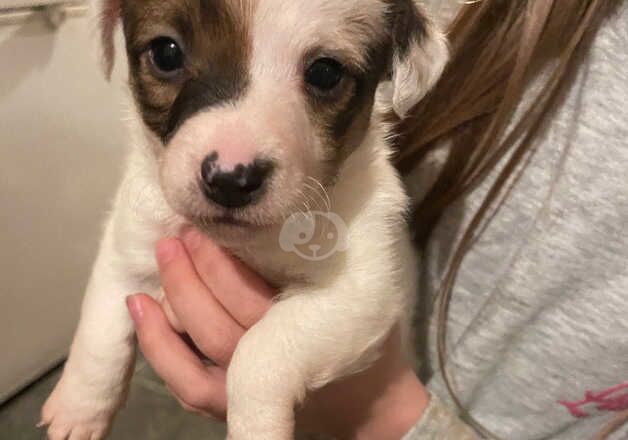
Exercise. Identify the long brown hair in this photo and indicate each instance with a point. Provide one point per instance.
(498, 47)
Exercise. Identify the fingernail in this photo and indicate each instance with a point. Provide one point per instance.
(134, 304)
(192, 239)
(166, 250)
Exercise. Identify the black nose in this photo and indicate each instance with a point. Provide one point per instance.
(235, 188)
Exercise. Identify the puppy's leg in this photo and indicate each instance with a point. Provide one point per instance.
(303, 343)
(96, 375)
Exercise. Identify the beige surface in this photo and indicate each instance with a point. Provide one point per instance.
(61, 146)
(27, 3)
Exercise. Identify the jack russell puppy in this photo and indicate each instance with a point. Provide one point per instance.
(248, 112)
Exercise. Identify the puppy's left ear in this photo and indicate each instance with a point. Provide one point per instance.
(420, 53)
(108, 12)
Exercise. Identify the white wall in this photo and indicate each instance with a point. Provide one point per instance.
(61, 149)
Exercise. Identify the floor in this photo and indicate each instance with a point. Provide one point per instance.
(150, 413)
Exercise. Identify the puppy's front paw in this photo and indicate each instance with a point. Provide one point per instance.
(73, 412)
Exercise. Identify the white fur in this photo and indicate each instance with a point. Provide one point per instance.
(333, 314)
(367, 290)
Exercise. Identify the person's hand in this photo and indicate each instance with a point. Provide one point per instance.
(211, 300)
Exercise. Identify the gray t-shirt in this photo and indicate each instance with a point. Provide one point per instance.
(538, 327)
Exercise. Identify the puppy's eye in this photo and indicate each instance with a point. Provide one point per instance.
(166, 56)
(324, 74)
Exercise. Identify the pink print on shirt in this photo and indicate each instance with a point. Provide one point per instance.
(612, 399)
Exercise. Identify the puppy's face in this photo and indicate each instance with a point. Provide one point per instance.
(252, 105)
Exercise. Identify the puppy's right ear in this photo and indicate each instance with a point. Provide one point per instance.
(109, 15)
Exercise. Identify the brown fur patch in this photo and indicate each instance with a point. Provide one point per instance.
(344, 119)
(214, 37)
(407, 25)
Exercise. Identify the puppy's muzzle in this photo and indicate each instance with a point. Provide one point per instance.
(238, 187)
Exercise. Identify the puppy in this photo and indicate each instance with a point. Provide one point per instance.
(249, 112)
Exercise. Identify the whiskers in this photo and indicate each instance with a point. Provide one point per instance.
(320, 194)
(313, 197)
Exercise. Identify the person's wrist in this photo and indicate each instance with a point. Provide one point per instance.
(382, 402)
(396, 411)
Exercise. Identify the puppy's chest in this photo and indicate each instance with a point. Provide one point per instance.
(281, 269)
(261, 252)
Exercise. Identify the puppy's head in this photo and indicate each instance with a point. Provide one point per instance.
(249, 105)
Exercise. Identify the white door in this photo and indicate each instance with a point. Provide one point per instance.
(61, 147)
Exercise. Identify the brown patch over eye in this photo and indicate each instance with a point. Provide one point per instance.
(342, 108)
(184, 56)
